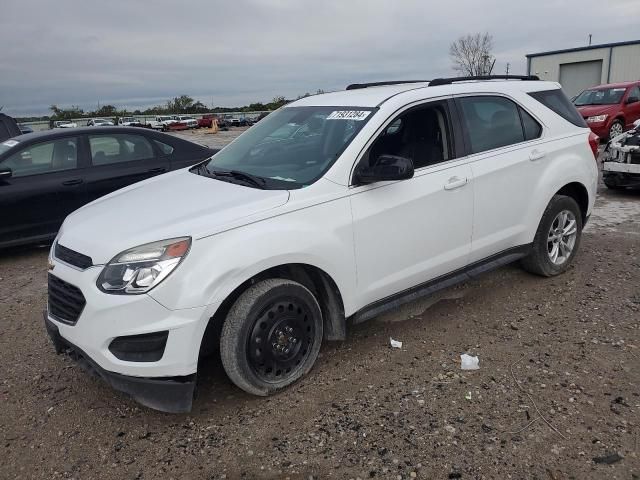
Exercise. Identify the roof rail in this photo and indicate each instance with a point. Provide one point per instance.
(356, 86)
(449, 81)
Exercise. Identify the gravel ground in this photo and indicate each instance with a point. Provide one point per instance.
(557, 394)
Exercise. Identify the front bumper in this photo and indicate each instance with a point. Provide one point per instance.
(621, 174)
(171, 394)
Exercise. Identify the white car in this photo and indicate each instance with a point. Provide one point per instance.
(65, 124)
(621, 167)
(99, 122)
(128, 122)
(270, 247)
(161, 122)
(189, 121)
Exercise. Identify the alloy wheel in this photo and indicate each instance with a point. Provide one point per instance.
(616, 129)
(562, 237)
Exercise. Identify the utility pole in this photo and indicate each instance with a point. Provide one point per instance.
(508, 65)
(589, 39)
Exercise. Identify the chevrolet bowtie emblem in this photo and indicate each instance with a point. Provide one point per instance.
(50, 266)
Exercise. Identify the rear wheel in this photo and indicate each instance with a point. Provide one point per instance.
(271, 336)
(557, 238)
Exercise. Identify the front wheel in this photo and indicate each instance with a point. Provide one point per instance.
(557, 238)
(615, 129)
(271, 336)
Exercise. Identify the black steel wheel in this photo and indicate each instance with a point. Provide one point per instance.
(271, 336)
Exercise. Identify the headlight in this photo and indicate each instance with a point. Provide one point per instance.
(139, 269)
(597, 119)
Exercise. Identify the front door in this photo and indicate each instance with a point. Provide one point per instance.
(412, 231)
(46, 184)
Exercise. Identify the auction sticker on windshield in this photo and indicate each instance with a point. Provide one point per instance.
(357, 115)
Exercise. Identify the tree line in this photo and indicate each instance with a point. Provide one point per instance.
(183, 104)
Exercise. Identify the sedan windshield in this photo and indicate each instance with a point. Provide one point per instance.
(602, 96)
(291, 148)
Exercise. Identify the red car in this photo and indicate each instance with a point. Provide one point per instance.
(610, 109)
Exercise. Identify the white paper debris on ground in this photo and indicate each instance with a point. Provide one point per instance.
(395, 343)
(468, 362)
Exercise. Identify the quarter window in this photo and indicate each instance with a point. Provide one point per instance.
(532, 129)
(109, 149)
(164, 148)
(44, 157)
(491, 122)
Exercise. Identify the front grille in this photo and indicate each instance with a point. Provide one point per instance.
(72, 257)
(66, 301)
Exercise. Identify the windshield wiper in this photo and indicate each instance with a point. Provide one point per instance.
(254, 180)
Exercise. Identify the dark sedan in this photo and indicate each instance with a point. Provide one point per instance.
(44, 176)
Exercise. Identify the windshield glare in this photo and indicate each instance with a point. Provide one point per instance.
(604, 96)
(294, 146)
(7, 144)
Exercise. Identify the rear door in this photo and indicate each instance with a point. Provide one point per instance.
(506, 154)
(120, 159)
(46, 185)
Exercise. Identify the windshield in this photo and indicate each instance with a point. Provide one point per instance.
(292, 147)
(604, 96)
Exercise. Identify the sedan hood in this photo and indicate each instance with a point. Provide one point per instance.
(176, 204)
(593, 110)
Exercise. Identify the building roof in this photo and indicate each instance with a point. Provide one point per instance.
(580, 49)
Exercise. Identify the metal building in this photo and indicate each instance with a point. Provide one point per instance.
(583, 67)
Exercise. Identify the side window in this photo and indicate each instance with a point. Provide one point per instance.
(44, 157)
(164, 148)
(532, 129)
(491, 122)
(634, 93)
(421, 134)
(109, 149)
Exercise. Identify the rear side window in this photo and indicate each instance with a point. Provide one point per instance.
(491, 122)
(557, 101)
(164, 148)
(532, 129)
(108, 149)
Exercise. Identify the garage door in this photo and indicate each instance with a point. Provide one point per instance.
(575, 77)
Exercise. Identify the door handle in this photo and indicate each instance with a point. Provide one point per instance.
(157, 170)
(455, 182)
(536, 155)
(70, 183)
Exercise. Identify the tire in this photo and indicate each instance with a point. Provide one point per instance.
(540, 261)
(290, 317)
(615, 129)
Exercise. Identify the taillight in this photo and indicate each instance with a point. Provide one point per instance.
(594, 142)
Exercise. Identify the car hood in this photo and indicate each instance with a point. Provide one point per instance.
(176, 204)
(593, 110)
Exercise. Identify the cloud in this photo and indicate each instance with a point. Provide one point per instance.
(137, 53)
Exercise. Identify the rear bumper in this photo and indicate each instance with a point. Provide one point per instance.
(168, 394)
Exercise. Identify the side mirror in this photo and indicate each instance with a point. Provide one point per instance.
(5, 173)
(631, 100)
(387, 168)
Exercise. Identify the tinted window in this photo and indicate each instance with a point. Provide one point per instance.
(532, 129)
(108, 149)
(44, 157)
(491, 122)
(557, 101)
(420, 134)
(634, 93)
(164, 148)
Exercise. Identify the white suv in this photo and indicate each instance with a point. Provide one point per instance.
(329, 211)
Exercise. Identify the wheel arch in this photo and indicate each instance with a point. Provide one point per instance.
(319, 282)
(580, 194)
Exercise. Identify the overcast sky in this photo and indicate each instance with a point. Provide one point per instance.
(234, 52)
